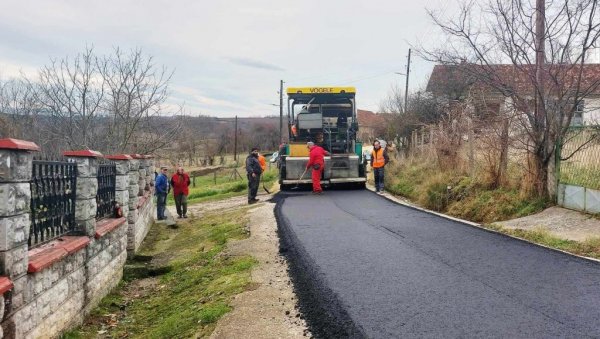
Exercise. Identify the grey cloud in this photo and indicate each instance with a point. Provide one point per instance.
(254, 64)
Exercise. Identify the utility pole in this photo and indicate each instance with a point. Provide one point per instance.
(235, 141)
(406, 89)
(280, 111)
(540, 59)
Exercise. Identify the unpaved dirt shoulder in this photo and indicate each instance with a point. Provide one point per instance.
(269, 310)
(560, 222)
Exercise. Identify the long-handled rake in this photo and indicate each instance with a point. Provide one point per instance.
(265, 188)
(298, 182)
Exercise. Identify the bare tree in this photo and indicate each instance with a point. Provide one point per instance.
(423, 110)
(111, 103)
(18, 107)
(136, 90)
(71, 93)
(484, 36)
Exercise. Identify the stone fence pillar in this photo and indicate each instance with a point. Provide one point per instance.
(16, 159)
(122, 162)
(134, 190)
(87, 188)
(143, 172)
(150, 172)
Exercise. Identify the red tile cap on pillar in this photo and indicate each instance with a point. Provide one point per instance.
(137, 156)
(88, 153)
(118, 157)
(5, 285)
(20, 145)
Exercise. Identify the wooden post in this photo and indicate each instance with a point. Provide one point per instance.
(471, 147)
(431, 141)
(235, 141)
(215, 176)
(423, 150)
(412, 143)
(194, 181)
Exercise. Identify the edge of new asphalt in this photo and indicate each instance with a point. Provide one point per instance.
(325, 315)
(394, 199)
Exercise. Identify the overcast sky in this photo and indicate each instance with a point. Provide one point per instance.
(229, 56)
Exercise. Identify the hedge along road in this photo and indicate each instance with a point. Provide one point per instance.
(364, 266)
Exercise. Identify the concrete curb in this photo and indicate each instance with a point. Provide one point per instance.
(394, 199)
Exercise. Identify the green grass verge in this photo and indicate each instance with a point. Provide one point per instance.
(194, 283)
(426, 185)
(589, 248)
(207, 190)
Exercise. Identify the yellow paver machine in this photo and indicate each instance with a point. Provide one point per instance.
(327, 117)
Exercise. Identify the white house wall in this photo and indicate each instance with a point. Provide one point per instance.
(591, 115)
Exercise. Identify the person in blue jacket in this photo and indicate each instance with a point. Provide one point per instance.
(161, 187)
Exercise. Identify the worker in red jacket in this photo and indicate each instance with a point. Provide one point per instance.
(316, 162)
(180, 183)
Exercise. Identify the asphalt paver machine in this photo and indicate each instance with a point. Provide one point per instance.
(327, 117)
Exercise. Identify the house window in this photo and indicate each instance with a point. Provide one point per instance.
(577, 119)
(580, 107)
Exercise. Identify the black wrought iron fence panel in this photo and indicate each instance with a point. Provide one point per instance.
(53, 186)
(107, 177)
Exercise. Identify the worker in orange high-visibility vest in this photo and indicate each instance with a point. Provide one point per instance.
(379, 158)
(263, 162)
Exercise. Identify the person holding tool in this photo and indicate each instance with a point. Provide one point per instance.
(263, 165)
(253, 172)
(316, 162)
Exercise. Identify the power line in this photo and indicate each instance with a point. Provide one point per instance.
(367, 77)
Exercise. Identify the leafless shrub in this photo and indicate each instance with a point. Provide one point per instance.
(545, 81)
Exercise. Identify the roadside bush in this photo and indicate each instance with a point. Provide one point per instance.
(495, 205)
(457, 194)
(404, 179)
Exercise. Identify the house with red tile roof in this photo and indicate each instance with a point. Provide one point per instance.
(501, 84)
(370, 125)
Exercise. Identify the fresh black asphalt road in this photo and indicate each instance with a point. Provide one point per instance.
(367, 267)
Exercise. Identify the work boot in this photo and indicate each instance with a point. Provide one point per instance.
(185, 216)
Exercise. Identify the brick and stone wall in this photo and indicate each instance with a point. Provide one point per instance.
(106, 257)
(141, 210)
(50, 288)
(53, 298)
